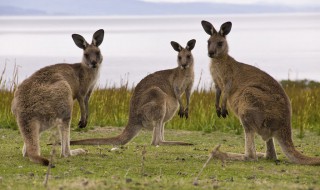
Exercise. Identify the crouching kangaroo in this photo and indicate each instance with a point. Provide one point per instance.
(45, 99)
(255, 97)
(155, 100)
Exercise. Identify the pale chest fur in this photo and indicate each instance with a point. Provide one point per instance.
(184, 81)
(216, 72)
(88, 80)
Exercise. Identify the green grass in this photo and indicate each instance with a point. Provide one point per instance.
(163, 167)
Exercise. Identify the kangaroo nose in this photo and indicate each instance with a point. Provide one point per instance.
(184, 66)
(94, 64)
(211, 54)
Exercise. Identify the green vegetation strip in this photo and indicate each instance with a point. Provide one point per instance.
(138, 165)
(110, 107)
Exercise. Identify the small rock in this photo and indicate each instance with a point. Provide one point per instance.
(85, 182)
(115, 149)
(88, 172)
(128, 180)
(277, 162)
(20, 166)
(195, 183)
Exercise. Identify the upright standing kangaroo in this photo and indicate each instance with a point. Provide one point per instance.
(45, 99)
(155, 100)
(255, 97)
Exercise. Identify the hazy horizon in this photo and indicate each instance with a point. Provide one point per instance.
(152, 7)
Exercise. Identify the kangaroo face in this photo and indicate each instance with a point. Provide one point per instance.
(217, 46)
(185, 58)
(92, 57)
(217, 43)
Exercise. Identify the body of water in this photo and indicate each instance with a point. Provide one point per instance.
(284, 45)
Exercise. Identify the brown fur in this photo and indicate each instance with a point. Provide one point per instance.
(255, 97)
(155, 100)
(45, 99)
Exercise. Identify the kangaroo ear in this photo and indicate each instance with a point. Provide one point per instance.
(176, 46)
(225, 28)
(79, 41)
(208, 27)
(98, 37)
(190, 44)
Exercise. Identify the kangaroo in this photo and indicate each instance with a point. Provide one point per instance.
(155, 101)
(255, 97)
(45, 99)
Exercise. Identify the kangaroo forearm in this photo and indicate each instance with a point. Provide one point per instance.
(86, 103)
(218, 95)
(82, 106)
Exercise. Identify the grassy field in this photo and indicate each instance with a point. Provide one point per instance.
(141, 166)
(138, 165)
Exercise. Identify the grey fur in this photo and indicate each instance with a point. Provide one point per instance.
(45, 99)
(255, 97)
(155, 101)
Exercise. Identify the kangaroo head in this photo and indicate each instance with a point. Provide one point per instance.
(92, 57)
(217, 43)
(185, 58)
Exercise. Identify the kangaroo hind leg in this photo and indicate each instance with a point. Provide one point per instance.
(271, 151)
(64, 129)
(171, 142)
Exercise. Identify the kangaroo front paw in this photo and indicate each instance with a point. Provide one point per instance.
(181, 112)
(186, 113)
(77, 152)
(218, 111)
(82, 124)
(224, 113)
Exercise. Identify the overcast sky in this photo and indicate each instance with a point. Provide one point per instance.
(274, 2)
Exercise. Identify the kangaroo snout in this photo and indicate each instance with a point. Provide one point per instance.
(184, 66)
(93, 64)
(211, 54)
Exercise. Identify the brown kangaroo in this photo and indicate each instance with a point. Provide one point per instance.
(255, 97)
(155, 100)
(45, 99)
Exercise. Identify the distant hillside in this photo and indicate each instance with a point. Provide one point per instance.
(11, 10)
(134, 7)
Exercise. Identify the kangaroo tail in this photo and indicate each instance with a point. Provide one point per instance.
(287, 146)
(127, 134)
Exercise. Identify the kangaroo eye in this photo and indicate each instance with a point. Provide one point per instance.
(220, 44)
(86, 55)
(209, 43)
(188, 56)
(179, 57)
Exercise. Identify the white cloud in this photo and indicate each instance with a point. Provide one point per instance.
(263, 2)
